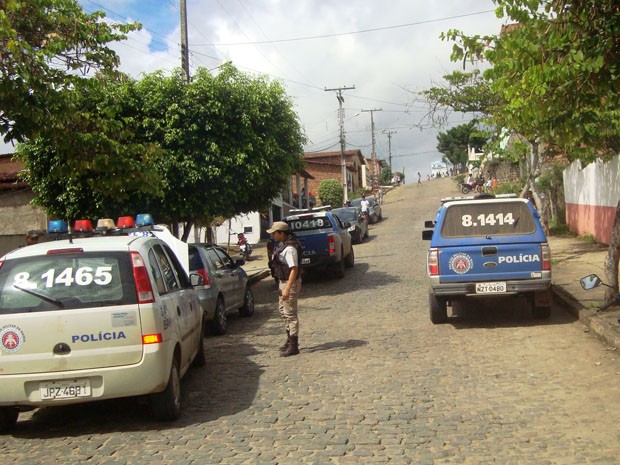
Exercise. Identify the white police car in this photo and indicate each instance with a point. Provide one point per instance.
(92, 318)
(485, 247)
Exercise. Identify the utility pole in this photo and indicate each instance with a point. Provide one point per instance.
(343, 164)
(375, 174)
(184, 42)
(389, 134)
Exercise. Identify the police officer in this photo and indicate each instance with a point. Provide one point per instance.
(286, 259)
(32, 237)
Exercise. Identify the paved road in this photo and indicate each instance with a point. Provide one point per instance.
(376, 382)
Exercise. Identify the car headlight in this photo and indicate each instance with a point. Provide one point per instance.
(352, 228)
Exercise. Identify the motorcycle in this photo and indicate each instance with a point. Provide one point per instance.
(590, 282)
(478, 186)
(245, 248)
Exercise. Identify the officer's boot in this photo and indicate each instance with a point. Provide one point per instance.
(287, 343)
(293, 348)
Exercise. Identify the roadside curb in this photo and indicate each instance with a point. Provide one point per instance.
(257, 276)
(601, 328)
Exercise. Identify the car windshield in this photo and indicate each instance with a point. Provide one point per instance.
(309, 223)
(67, 281)
(487, 219)
(346, 214)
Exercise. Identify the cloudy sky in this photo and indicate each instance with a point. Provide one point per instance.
(388, 50)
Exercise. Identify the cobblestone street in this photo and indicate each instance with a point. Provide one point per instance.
(375, 383)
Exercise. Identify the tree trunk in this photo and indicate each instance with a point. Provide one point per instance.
(611, 261)
(187, 227)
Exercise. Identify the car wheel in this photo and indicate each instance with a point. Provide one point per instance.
(339, 267)
(220, 323)
(166, 405)
(8, 418)
(350, 260)
(201, 359)
(438, 308)
(541, 313)
(248, 303)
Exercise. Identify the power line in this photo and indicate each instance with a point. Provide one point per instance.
(339, 34)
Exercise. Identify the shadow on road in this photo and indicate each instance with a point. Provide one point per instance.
(509, 312)
(336, 345)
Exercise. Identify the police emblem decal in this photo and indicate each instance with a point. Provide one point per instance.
(460, 263)
(11, 338)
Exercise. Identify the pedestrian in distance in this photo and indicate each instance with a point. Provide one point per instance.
(419, 179)
(365, 206)
(32, 237)
(286, 259)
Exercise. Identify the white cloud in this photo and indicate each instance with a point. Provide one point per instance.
(381, 64)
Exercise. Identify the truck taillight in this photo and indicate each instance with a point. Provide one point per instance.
(331, 241)
(545, 253)
(432, 262)
(141, 279)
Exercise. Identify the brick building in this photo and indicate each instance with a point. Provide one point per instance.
(327, 165)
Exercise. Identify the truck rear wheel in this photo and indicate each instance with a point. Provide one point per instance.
(438, 309)
(339, 267)
(350, 260)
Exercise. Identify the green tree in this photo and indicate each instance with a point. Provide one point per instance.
(103, 166)
(455, 141)
(46, 48)
(386, 175)
(330, 192)
(232, 142)
(218, 146)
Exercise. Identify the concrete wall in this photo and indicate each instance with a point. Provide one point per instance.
(17, 217)
(592, 194)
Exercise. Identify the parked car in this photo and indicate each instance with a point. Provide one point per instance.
(325, 241)
(486, 247)
(374, 212)
(359, 225)
(93, 318)
(225, 286)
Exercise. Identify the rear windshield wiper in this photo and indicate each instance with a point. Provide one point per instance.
(41, 296)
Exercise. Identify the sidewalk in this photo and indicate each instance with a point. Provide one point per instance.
(573, 258)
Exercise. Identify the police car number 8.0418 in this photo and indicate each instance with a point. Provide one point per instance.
(82, 276)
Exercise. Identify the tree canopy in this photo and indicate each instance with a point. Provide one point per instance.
(554, 75)
(455, 141)
(217, 146)
(47, 47)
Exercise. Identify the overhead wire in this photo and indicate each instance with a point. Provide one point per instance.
(339, 34)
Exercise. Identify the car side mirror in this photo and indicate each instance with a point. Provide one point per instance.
(427, 234)
(590, 282)
(429, 224)
(239, 262)
(196, 280)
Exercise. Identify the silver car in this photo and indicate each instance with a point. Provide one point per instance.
(226, 285)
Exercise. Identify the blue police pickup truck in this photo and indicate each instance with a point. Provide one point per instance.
(487, 247)
(325, 240)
